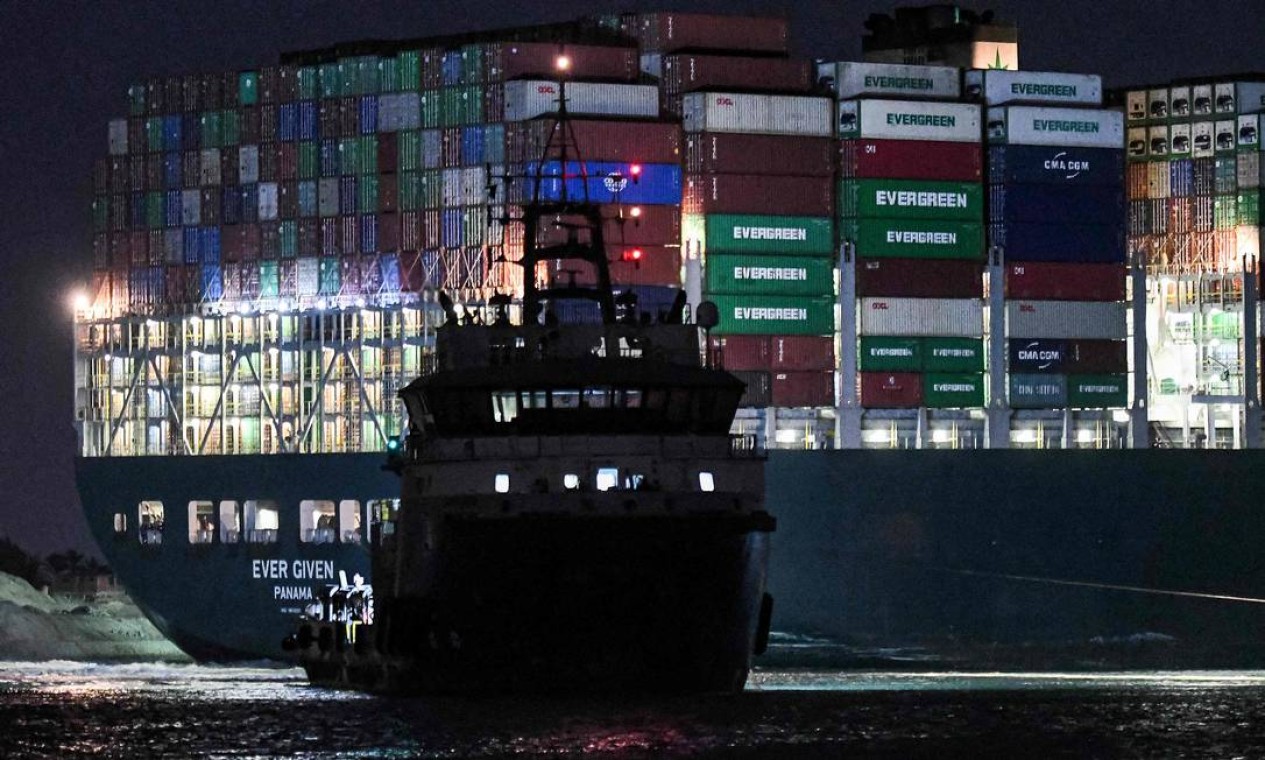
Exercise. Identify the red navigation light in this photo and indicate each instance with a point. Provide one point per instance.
(635, 171)
(633, 255)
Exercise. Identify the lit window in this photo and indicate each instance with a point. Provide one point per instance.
(607, 478)
(505, 406)
(262, 520)
(571, 481)
(230, 522)
(502, 482)
(349, 521)
(120, 522)
(201, 522)
(151, 530)
(706, 482)
(316, 522)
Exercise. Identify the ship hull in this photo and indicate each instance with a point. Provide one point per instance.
(567, 604)
(976, 558)
(219, 601)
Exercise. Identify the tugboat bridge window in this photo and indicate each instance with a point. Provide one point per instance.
(316, 521)
(571, 481)
(382, 517)
(349, 521)
(230, 522)
(607, 478)
(151, 514)
(504, 406)
(502, 482)
(263, 518)
(201, 522)
(706, 482)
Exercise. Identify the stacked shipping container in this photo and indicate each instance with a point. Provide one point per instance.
(1056, 215)
(910, 204)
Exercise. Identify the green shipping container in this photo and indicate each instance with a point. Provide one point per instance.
(410, 150)
(154, 133)
(952, 391)
(309, 83)
(155, 216)
(432, 189)
(410, 189)
(775, 275)
(349, 155)
(100, 214)
(775, 315)
(269, 280)
(369, 154)
(331, 280)
(231, 127)
(886, 354)
(248, 88)
(783, 235)
(289, 239)
(330, 82)
(309, 159)
(1098, 391)
(911, 199)
(472, 64)
(1225, 212)
(410, 67)
(431, 104)
(367, 190)
(136, 100)
(1249, 208)
(211, 133)
(914, 238)
(389, 74)
(953, 355)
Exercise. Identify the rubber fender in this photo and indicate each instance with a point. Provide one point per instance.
(762, 628)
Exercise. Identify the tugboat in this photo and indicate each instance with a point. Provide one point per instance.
(575, 515)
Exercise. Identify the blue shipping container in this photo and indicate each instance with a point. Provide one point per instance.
(192, 246)
(368, 114)
(250, 202)
(171, 133)
(1181, 178)
(1031, 357)
(432, 148)
(1052, 204)
(347, 195)
(212, 283)
(450, 228)
(173, 170)
(471, 146)
(368, 233)
(608, 182)
(1066, 243)
(329, 158)
(288, 122)
(137, 216)
(308, 122)
(230, 204)
(175, 208)
(389, 265)
(654, 300)
(1042, 164)
(308, 199)
(209, 244)
(450, 67)
(494, 144)
(157, 284)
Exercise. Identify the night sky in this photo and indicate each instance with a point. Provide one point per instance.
(66, 67)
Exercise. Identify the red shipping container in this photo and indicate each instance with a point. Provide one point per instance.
(735, 153)
(742, 352)
(349, 117)
(349, 235)
(493, 104)
(647, 142)
(251, 243)
(666, 32)
(1097, 357)
(309, 237)
(231, 243)
(138, 244)
(155, 247)
(388, 152)
(450, 149)
(758, 391)
(269, 240)
(799, 353)
(891, 390)
(919, 278)
(389, 192)
(687, 73)
(1041, 281)
(389, 232)
(910, 159)
(432, 68)
(287, 161)
(525, 60)
(410, 235)
(349, 285)
(432, 228)
(1136, 180)
(804, 388)
(753, 194)
(654, 225)
(412, 273)
(210, 205)
(658, 265)
(120, 249)
(329, 237)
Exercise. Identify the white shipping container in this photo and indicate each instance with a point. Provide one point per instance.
(1239, 97)
(389, 112)
(756, 114)
(210, 174)
(1065, 320)
(1157, 103)
(267, 201)
(191, 208)
(849, 79)
(1179, 102)
(1137, 142)
(1135, 105)
(474, 182)
(453, 189)
(909, 120)
(248, 164)
(1201, 145)
(1249, 134)
(529, 98)
(118, 137)
(1157, 141)
(309, 275)
(922, 317)
(1223, 135)
(408, 110)
(1179, 140)
(1249, 172)
(999, 86)
(1061, 127)
(652, 64)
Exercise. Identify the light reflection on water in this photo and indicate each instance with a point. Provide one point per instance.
(72, 710)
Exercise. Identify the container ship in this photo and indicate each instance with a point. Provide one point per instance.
(939, 275)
